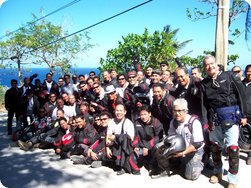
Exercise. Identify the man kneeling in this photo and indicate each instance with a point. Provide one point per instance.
(190, 128)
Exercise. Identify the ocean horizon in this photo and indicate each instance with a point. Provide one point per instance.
(6, 75)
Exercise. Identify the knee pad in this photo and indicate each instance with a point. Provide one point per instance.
(216, 154)
(215, 148)
(233, 153)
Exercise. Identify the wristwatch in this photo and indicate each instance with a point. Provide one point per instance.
(183, 154)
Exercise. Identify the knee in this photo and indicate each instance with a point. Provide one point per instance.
(215, 148)
(194, 175)
(193, 170)
(233, 151)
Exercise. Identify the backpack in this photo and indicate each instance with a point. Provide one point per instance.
(205, 129)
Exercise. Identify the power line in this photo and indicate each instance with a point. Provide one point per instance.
(53, 12)
(91, 26)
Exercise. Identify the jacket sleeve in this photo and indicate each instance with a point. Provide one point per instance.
(158, 134)
(90, 135)
(240, 94)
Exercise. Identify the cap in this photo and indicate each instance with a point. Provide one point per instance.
(163, 62)
(132, 74)
(74, 76)
(109, 89)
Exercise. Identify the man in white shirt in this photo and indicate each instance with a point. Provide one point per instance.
(60, 105)
(121, 131)
(191, 131)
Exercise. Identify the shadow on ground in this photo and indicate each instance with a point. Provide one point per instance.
(35, 168)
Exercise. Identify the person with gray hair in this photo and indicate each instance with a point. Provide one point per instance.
(182, 103)
(224, 101)
(190, 128)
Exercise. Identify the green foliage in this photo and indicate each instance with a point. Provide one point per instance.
(2, 93)
(152, 49)
(237, 8)
(197, 61)
(45, 43)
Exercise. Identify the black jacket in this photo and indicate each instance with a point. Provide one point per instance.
(226, 90)
(248, 99)
(148, 135)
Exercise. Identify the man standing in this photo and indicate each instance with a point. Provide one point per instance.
(223, 98)
(12, 104)
(247, 83)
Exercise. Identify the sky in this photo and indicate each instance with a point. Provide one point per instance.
(153, 15)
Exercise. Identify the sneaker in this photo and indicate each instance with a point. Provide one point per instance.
(36, 145)
(231, 185)
(45, 145)
(215, 178)
(162, 174)
(64, 155)
(248, 161)
(77, 159)
(96, 164)
(121, 172)
(154, 172)
(137, 173)
(24, 145)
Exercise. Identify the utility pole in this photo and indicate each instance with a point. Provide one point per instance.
(221, 38)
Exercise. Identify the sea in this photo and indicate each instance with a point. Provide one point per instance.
(7, 74)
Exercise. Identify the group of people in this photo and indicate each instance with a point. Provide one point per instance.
(120, 120)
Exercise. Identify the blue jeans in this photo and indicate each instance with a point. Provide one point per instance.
(193, 164)
(225, 137)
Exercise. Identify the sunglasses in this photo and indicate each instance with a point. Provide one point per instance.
(95, 87)
(121, 78)
(237, 71)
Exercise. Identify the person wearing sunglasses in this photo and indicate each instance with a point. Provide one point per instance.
(237, 70)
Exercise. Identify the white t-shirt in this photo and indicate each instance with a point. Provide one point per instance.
(183, 130)
(68, 113)
(116, 127)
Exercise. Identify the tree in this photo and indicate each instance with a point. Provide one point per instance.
(237, 8)
(197, 61)
(15, 49)
(152, 49)
(43, 42)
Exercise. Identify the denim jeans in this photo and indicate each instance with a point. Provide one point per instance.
(193, 164)
(225, 137)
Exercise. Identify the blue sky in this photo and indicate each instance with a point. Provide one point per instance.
(153, 16)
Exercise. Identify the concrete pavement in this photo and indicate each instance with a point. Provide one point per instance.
(42, 168)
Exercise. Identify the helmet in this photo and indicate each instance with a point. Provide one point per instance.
(173, 144)
(245, 138)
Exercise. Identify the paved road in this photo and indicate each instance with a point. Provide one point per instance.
(42, 168)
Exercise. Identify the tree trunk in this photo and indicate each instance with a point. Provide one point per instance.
(221, 38)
